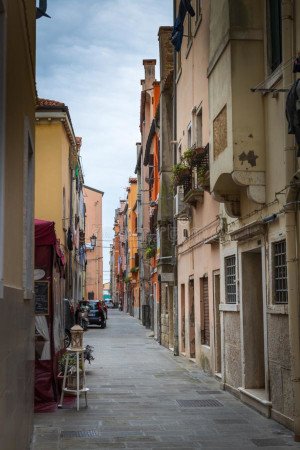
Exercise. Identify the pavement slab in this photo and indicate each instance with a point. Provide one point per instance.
(142, 397)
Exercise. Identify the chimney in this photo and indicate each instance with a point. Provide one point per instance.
(149, 65)
(138, 148)
(166, 51)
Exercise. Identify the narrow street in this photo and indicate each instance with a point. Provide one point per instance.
(141, 396)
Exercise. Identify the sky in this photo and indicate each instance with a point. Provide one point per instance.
(89, 56)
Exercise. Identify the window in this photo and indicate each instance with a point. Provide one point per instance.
(2, 138)
(280, 272)
(189, 135)
(199, 128)
(230, 279)
(275, 34)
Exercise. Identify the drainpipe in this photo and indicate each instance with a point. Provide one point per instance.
(292, 219)
(175, 252)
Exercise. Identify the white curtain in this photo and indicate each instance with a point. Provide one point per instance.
(42, 328)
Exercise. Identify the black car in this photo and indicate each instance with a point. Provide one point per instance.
(96, 314)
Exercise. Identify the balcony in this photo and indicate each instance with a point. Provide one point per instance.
(195, 178)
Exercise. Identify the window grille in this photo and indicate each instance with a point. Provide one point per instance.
(280, 272)
(230, 279)
(205, 332)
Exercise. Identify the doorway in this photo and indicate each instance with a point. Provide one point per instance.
(217, 327)
(191, 318)
(253, 320)
(171, 318)
(182, 318)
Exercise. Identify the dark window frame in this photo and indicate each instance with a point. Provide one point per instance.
(274, 34)
(280, 272)
(230, 279)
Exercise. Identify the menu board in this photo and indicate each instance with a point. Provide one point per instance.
(41, 291)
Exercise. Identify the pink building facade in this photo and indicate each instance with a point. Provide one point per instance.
(93, 227)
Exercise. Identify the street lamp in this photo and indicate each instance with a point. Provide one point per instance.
(93, 240)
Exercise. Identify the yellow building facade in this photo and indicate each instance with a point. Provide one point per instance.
(59, 187)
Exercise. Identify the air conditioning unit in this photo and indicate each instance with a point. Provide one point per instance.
(179, 205)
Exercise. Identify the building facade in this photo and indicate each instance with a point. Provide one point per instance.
(196, 211)
(94, 253)
(253, 173)
(17, 109)
(59, 179)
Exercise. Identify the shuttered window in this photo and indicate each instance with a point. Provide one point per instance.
(205, 334)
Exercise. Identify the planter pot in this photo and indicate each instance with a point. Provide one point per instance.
(72, 380)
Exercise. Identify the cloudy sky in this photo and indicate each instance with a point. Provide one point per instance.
(89, 56)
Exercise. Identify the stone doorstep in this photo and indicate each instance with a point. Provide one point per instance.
(256, 399)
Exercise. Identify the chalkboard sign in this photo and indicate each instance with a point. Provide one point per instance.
(41, 291)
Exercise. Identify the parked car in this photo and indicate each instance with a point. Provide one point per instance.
(109, 303)
(69, 320)
(96, 313)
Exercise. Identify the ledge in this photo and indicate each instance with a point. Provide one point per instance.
(278, 309)
(257, 399)
(257, 394)
(229, 307)
(193, 196)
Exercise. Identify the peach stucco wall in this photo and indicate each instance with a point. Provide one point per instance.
(93, 225)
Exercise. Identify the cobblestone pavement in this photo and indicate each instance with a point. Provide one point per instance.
(142, 397)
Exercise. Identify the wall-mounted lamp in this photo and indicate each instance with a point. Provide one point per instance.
(93, 240)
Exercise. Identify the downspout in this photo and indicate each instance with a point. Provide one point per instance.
(175, 250)
(292, 219)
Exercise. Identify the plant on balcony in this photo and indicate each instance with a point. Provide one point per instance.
(195, 157)
(202, 176)
(126, 279)
(150, 250)
(180, 173)
(134, 269)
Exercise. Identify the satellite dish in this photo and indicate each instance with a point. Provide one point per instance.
(39, 274)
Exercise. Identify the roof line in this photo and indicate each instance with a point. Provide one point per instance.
(93, 189)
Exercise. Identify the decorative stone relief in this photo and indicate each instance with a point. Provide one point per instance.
(220, 132)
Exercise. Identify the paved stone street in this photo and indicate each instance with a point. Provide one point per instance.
(142, 397)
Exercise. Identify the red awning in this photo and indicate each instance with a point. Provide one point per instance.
(44, 232)
(45, 235)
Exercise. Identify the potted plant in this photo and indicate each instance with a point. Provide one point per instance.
(194, 157)
(181, 172)
(71, 382)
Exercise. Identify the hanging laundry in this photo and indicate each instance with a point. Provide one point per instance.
(293, 112)
(177, 34)
(69, 239)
